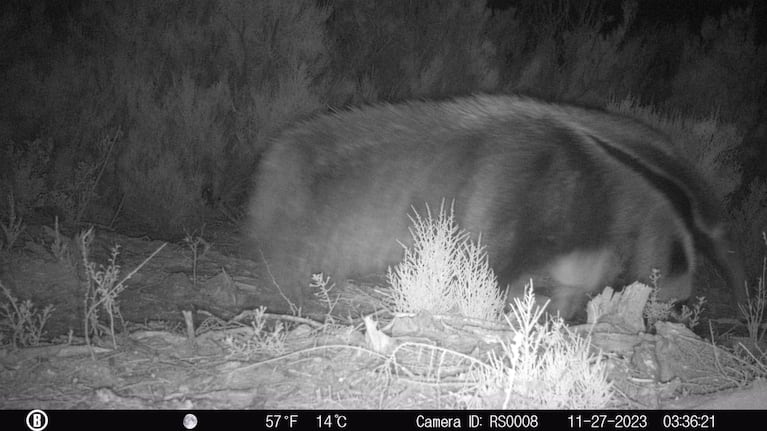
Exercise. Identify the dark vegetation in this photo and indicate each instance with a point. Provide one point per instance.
(149, 116)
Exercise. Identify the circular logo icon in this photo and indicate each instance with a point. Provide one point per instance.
(37, 420)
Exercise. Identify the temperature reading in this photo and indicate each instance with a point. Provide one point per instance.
(276, 421)
(335, 421)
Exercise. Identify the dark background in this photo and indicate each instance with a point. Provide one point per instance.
(150, 116)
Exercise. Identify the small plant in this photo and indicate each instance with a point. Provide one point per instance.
(691, 316)
(322, 286)
(194, 241)
(543, 365)
(656, 310)
(59, 244)
(12, 227)
(20, 318)
(102, 289)
(260, 340)
(756, 302)
(444, 271)
(294, 309)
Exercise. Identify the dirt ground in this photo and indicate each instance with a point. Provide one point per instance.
(228, 355)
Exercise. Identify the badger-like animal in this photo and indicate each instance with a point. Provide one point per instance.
(575, 199)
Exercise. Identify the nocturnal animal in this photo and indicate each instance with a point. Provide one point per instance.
(575, 199)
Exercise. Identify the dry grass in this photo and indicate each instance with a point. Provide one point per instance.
(444, 271)
(22, 320)
(544, 365)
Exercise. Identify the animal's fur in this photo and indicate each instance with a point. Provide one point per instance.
(577, 197)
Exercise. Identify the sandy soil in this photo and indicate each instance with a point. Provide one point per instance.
(219, 357)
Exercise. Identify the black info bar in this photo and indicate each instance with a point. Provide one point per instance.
(398, 420)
